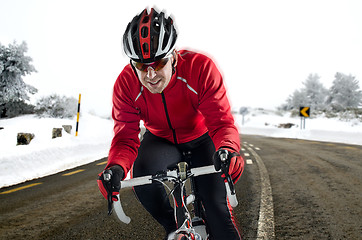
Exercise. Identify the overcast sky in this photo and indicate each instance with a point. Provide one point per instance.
(264, 48)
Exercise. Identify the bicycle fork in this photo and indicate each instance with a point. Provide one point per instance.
(185, 229)
(188, 228)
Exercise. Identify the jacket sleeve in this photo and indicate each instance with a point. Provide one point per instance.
(125, 142)
(215, 107)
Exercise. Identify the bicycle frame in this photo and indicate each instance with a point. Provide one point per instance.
(179, 177)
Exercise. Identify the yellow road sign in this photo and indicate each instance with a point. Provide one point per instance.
(304, 111)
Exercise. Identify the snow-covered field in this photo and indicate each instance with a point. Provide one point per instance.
(45, 156)
(266, 122)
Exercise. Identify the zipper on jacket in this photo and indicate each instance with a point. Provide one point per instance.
(168, 118)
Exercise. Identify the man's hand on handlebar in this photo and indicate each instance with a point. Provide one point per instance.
(230, 162)
(109, 184)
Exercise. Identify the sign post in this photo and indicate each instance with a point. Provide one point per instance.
(76, 128)
(243, 111)
(304, 113)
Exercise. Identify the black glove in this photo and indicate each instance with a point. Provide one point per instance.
(109, 181)
(230, 162)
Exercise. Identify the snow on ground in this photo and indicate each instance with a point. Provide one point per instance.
(45, 156)
(266, 122)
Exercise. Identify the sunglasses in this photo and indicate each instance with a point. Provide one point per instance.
(158, 65)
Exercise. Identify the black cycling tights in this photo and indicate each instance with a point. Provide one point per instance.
(157, 154)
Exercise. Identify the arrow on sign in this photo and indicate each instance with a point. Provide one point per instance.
(304, 111)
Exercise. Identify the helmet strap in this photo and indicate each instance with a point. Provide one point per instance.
(134, 69)
(173, 63)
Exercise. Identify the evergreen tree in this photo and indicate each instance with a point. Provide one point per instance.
(316, 93)
(13, 66)
(313, 95)
(56, 106)
(344, 93)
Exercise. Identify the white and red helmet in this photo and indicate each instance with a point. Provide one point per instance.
(149, 37)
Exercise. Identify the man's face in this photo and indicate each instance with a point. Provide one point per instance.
(156, 81)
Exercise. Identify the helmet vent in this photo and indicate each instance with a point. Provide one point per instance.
(144, 32)
(156, 26)
(135, 45)
(145, 48)
(133, 30)
(146, 19)
(165, 41)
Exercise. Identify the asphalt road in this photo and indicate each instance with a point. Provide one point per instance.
(291, 189)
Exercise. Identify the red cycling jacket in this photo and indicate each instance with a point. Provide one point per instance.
(193, 103)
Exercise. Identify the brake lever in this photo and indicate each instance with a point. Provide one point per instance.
(110, 204)
(228, 179)
(107, 175)
(224, 157)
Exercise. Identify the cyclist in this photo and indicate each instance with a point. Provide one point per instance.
(180, 97)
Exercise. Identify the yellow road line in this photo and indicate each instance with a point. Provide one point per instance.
(74, 172)
(21, 188)
(352, 148)
(102, 163)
